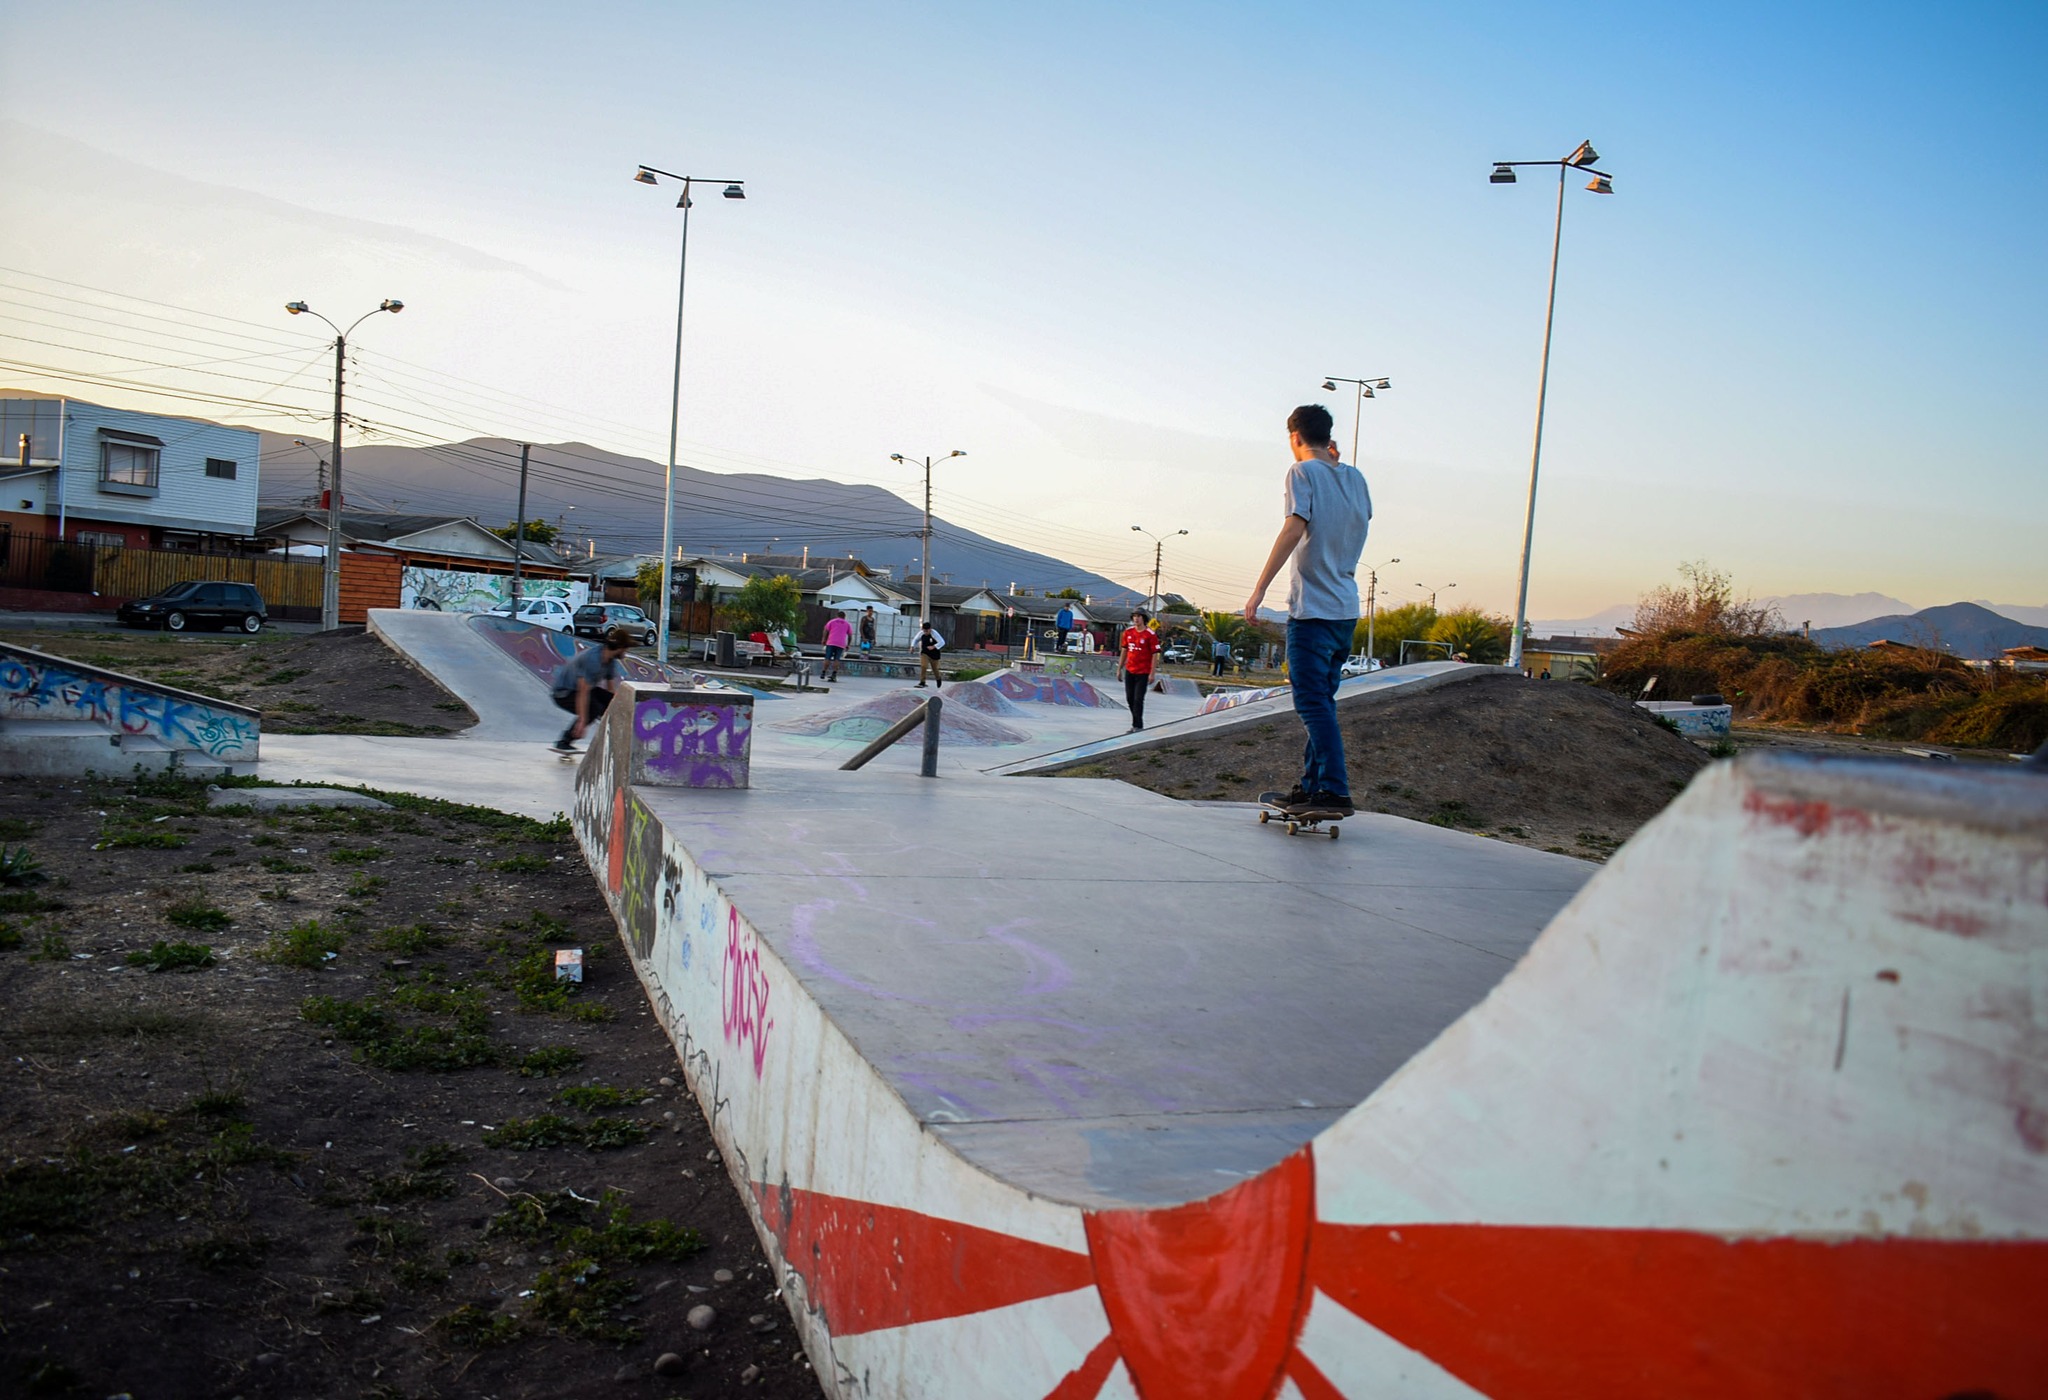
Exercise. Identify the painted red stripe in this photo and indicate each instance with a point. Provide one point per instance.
(1312, 1383)
(1084, 1382)
(1528, 1312)
(871, 1266)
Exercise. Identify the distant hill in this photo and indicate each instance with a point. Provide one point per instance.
(1821, 609)
(615, 500)
(1963, 629)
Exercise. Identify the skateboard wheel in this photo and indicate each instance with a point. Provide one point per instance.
(1333, 833)
(1265, 817)
(1293, 827)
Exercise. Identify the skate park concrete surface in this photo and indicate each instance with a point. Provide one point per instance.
(1060, 1088)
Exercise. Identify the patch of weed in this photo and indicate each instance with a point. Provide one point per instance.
(408, 942)
(521, 864)
(365, 886)
(27, 902)
(1455, 813)
(18, 828)
(55, 947)
(194, 912)
(307, 944)
(528, 1134)
(142, 838)
(228, 1249)
(198, 867)
(172, 957)
(284, 865)
(19, 868)
(471, 1326)
(549, 1061)
(592, 1097)
(229, 1104)
(355, 855)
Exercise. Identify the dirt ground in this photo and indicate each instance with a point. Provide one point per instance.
(344, 682)
(1563, 767)
(293, 1106)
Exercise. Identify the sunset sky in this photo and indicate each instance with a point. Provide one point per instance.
(1104, 249)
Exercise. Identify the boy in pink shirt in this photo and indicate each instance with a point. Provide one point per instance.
(838, 636)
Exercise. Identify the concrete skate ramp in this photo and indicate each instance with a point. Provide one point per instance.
(1044, 688)
(1222, 1112)
(959, 725)
(502, 692)
(540, 651)
(1247, 709)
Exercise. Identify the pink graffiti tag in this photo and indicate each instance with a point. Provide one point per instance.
(745, 991)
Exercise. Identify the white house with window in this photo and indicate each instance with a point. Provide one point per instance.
(97, 475)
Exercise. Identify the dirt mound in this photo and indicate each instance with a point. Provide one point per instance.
(1559, 766)
(957, 725)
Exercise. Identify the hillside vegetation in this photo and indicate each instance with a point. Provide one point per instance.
(1696, 637)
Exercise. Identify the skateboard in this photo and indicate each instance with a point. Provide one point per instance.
(1298, 823)
(566, 755)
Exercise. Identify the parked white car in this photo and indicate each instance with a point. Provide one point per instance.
(1360, 665)
(551, 613)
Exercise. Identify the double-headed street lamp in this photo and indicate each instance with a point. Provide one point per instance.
(1365, 391)
(649, 175)
(1158, 552)
(924, 568)
(1432, 592)
(330, 570)
(1372, 602)
(1601, 183)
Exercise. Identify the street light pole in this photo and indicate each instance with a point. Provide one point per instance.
(734, 189)
(1366, 387)
(1372, 599)
(924, 568)
(1158, 553)
(1581, 158)
(519, 529)
(1433, 592)
(330, 569)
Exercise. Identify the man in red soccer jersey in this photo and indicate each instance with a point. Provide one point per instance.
(1135, 655)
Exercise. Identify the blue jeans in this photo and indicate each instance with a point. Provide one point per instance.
(1316, 648)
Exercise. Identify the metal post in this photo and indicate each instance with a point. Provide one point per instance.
(1536, 452)
(924, 591)
(330, 571)
(929, 766)
(519, 529)
(1372, 598)
(1357, 416)
(675, 409)
(1158, 549)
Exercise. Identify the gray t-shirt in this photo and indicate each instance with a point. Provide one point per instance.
(589, 664)
(1332, 498)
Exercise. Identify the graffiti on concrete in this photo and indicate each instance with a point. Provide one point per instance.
(36, 687)
(456, 590)
(692, 743)
(1042, 689)
(746, 991)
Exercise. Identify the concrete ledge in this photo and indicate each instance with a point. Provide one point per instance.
(151, 725)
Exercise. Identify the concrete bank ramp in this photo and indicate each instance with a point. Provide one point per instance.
(1068, 1090)
(508, 702)
(60, 717)
(1225, 712)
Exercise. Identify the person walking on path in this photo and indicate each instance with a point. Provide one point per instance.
(1219, 656)
(583, 685)
(867, 630)
(929, 645)
(838, 633)
(1329, 511)
(1135, 655)
(1064, 623)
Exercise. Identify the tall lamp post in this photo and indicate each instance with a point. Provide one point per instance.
(650, 175)
(1372, 602)
(1504, 174)
(1158, 553)
(1365, 391)
(330, 569)
(1434, 591)
(924, 567)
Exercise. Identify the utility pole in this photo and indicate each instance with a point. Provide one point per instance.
(1158, 551)
(519, 529)
(1372, 599)
(924, 592)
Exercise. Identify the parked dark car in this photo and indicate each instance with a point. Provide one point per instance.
(596, 619)
(197, 603)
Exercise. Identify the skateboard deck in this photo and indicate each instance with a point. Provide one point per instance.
(566, 755)
(1311, 823)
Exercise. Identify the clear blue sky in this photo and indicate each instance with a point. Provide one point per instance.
(1105, 249)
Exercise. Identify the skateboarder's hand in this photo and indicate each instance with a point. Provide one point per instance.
(1251, 611)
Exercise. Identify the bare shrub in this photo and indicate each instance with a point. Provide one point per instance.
(1704, 603)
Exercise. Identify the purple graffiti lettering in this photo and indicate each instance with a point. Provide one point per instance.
(745, 991)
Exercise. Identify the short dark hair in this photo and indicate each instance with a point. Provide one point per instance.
(1313, 422)
(618, 639)
(1138, 613)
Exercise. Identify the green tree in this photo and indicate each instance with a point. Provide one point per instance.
(1073, 593)
(768, 605)
(539, 531)
(1475, 635)
(1225, 627)
(647, 582)
(1409, 622)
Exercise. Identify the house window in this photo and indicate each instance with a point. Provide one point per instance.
(132, 465)
(105, 539)
(220, 467)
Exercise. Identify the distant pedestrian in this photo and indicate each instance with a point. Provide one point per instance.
(1219, 656)
(583, 685)
(1329, 510)
(838, 633)
(1064, 623)
(929, 645)
(867, 630)
(1135, 656)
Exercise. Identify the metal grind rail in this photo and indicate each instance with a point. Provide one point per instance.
(927, 715)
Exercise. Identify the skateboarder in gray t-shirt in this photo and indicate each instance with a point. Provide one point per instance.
(1328, 512)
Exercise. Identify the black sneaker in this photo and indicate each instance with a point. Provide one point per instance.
(1328, 802)
(1295, 796)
